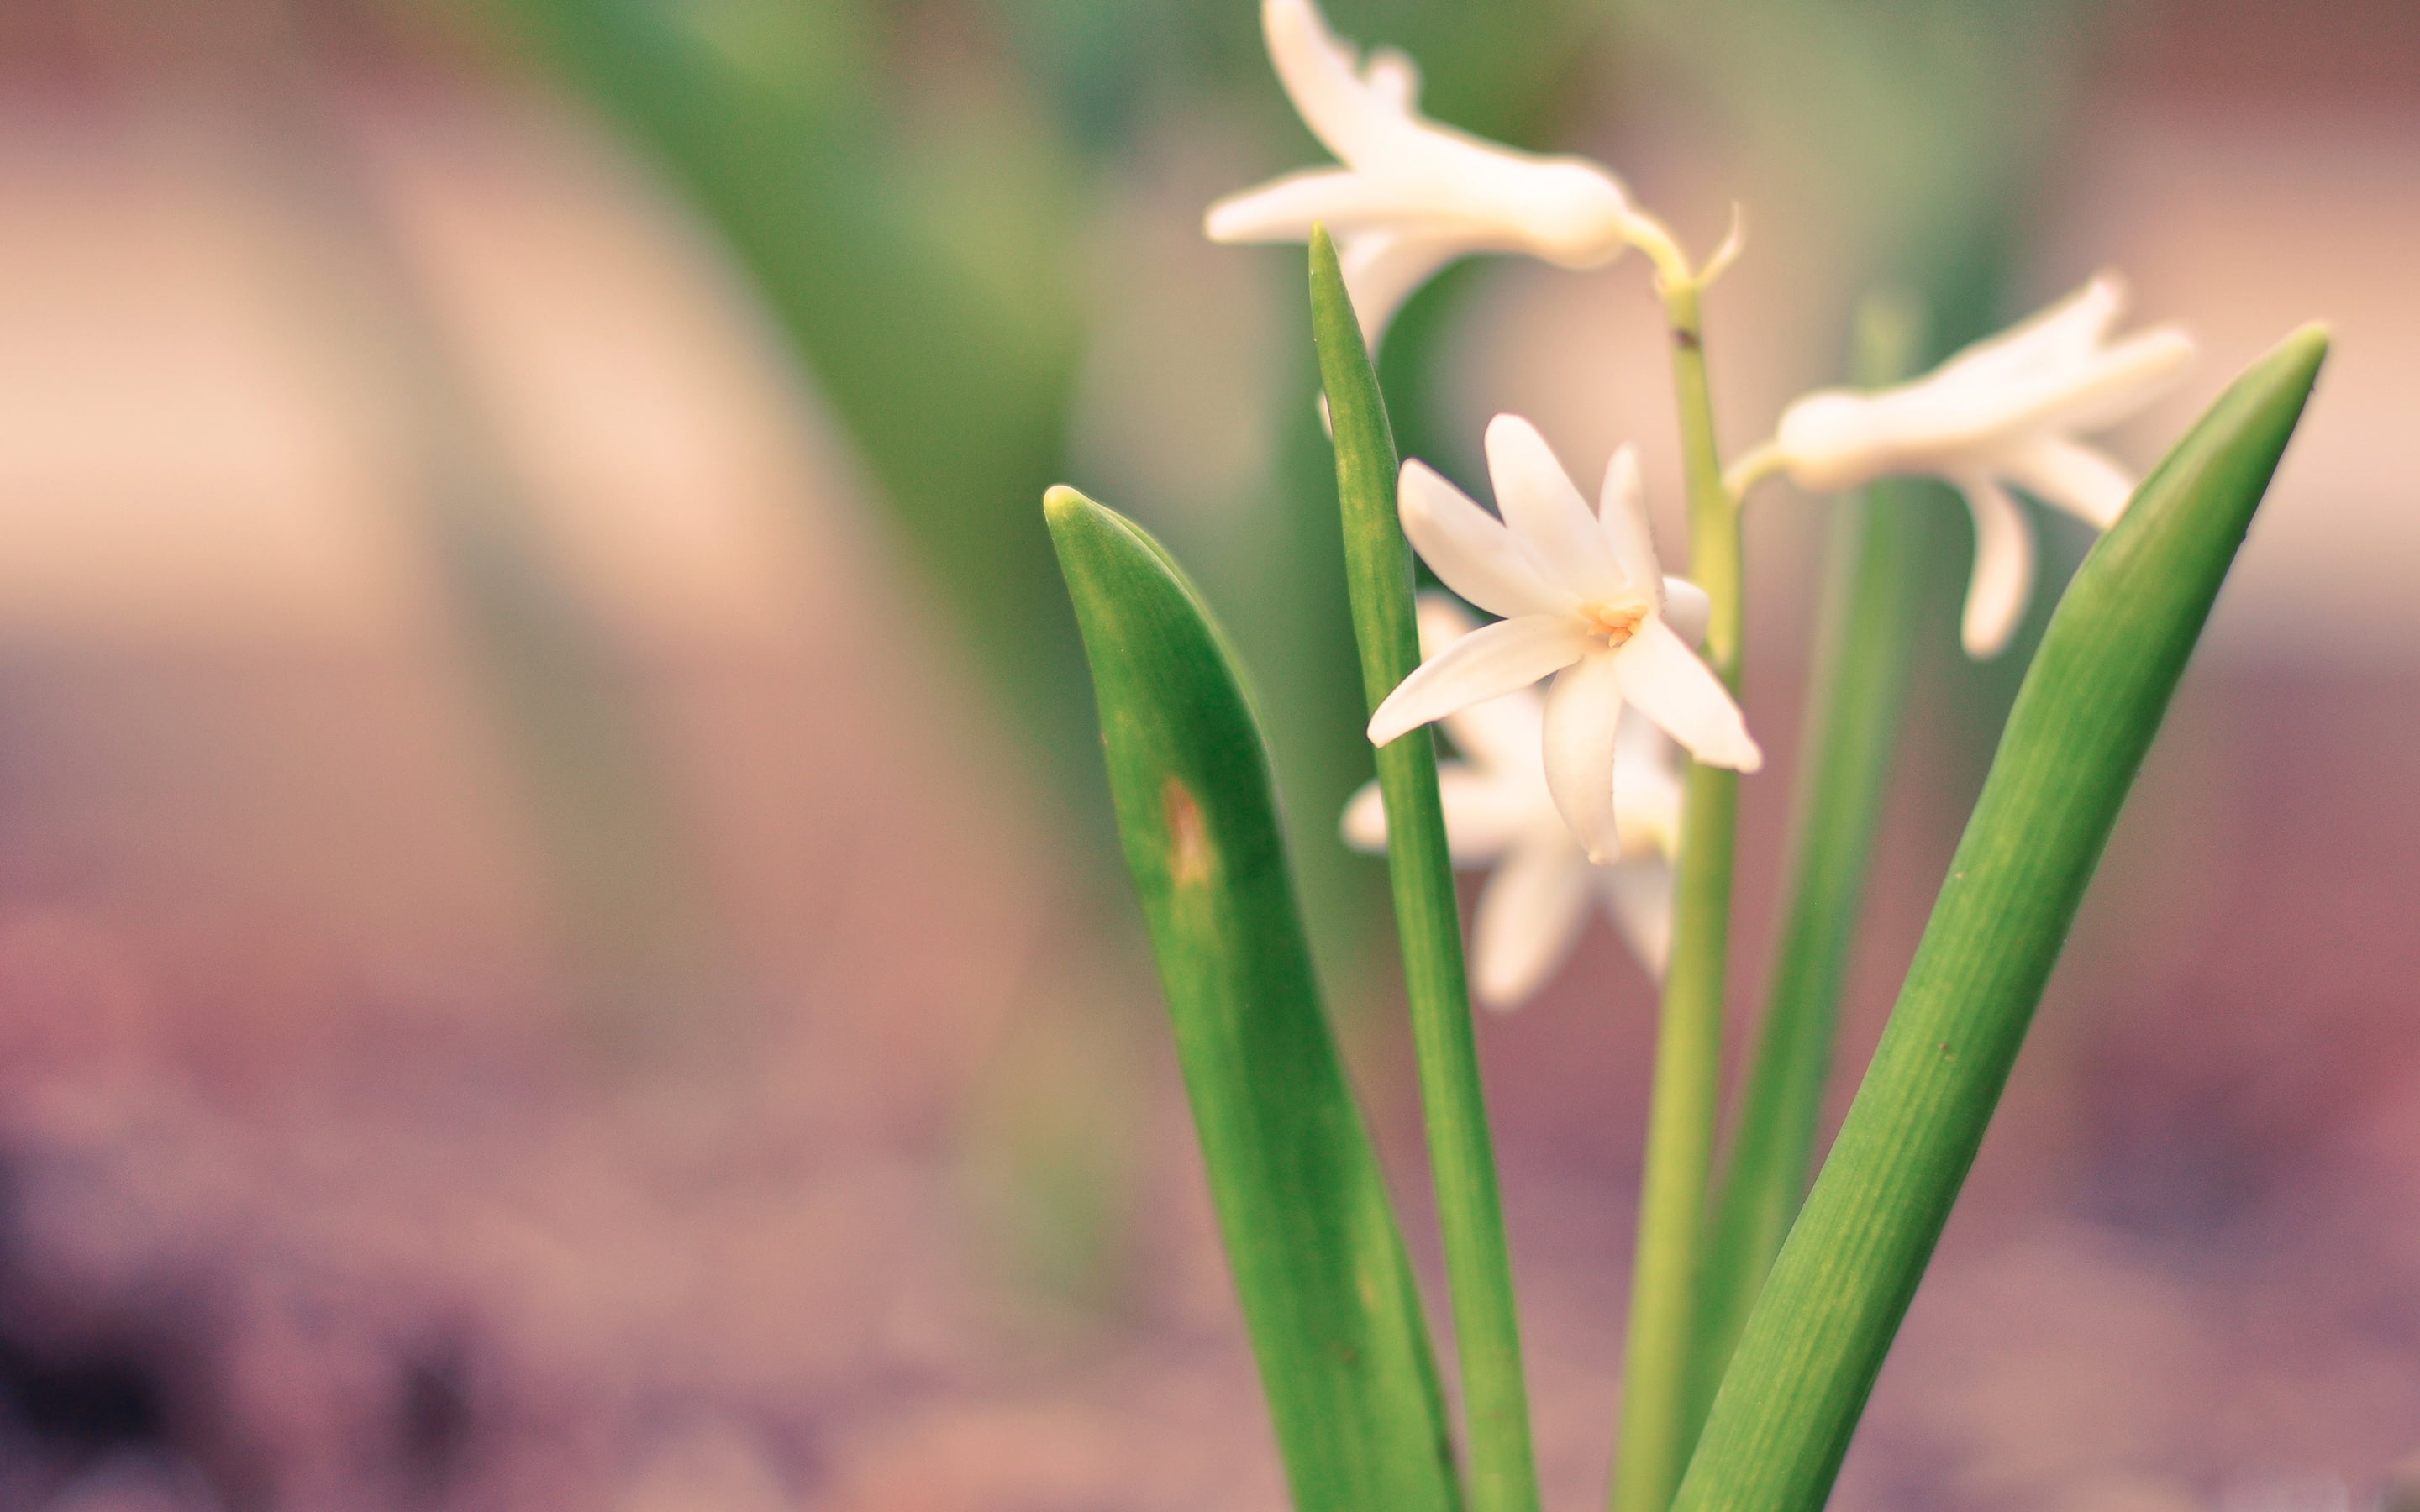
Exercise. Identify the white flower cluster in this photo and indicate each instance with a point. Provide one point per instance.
(1578, 786)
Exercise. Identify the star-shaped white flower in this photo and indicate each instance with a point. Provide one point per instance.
(1497, 813)
(1412, 196)
(2005, 411)
(1583, 597)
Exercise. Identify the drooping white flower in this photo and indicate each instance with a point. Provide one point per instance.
(1497, 813)
(1582, 597)
(2005, 411)
(1412, 196)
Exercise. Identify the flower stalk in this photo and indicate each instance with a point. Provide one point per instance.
(1684, 1103)
(1864, 649)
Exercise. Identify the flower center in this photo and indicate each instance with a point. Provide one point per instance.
(1617, 623)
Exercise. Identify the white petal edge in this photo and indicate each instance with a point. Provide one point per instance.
(1487, 663)
(1470, 549)
(1667, 682)
(2081, 480)
(1639, 895)
(1546, 513)
(2003, 578)
(1529, 916)
(1583, 711)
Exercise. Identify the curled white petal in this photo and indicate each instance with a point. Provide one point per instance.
(1660, 674)
(1484, 664)
(2004, 568)
(1529, 916)
(1471, 550)
(1583, 711)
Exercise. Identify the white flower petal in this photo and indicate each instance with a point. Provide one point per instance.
(1353, 116)
(1621, 514)
(1484, 664)
(1660, 674)
(1483, 818)
(1686, 610)
(1442, 620)
(2004, 568)
(1639, 895)
(1583, 710)
(2092, 394)
(2053, 338)
(1471, 550)
(1835, 440)
(1393, 77)
(2082, 480)
(2122, 380)
(1364, 826)
(1647, 787)
(2048, 377)
(1350, 204)
(1383, 269)
(1545, 514)
(1501, 734)
(1529, 916)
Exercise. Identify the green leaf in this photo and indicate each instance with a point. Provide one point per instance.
(1428, 920)
(2085, 716)
(1318, 1260)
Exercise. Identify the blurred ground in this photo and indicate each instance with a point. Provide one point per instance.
(324, 1184)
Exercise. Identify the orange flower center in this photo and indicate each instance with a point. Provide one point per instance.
(1617, 623)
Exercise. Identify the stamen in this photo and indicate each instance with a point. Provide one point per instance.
(1617, 623)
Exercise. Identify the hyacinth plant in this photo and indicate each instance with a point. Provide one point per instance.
(1600, 748)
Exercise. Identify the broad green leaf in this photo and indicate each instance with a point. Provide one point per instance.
(2091, 703)
(1318, 1260)
(1428, 921)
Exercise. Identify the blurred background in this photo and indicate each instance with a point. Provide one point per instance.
(560, 942)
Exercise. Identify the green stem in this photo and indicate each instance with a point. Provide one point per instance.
(1870, 605)
(1378, 569)
(1656, 1422)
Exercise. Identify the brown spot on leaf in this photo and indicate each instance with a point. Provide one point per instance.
(1189, 856)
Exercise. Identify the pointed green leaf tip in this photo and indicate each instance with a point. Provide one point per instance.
(1318, 1260)
(2091, 701)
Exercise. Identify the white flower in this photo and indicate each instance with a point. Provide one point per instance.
(2003, 411)
(1412, 196)
(1497, 813)
(1582, 596)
